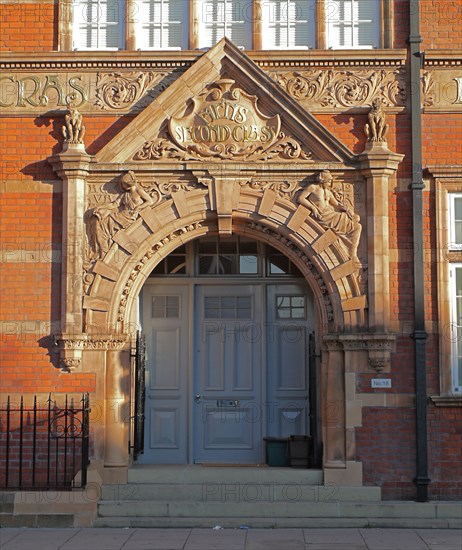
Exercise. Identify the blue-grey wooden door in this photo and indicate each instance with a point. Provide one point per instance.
(227, 374)
(165, 318)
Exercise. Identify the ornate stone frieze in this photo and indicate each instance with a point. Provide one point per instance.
(71, 347)
(125, 90)
(141, 263)
(284, 188)
(224, 124)
(294, 248)
(378, 347)
(428, 89)
(345, 89)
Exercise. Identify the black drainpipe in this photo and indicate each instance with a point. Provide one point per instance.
(419, 335)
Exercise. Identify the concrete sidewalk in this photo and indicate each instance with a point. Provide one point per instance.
(230, 539)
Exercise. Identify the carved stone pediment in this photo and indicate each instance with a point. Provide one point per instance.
(224, 107)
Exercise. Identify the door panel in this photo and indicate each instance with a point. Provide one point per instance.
(165, 319)
(227, 379)
(289, 322)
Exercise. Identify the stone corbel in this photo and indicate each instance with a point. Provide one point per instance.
(70, 348)
(379, 348)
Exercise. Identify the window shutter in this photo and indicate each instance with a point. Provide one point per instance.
(161, 24)
(218, 18)
(97, 24)
(352, 23)
(287, 24)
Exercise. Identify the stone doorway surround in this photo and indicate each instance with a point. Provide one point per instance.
(162, 182)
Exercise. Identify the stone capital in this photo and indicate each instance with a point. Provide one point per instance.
(74, 162)
(377, 159)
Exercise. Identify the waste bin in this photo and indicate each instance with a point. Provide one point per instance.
(300, 451)
(277, 451)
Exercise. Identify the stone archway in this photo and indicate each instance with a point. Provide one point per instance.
(156, 187)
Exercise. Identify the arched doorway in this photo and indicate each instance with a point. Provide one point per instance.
(228, 322)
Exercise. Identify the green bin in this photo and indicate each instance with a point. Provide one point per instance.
(277, 451)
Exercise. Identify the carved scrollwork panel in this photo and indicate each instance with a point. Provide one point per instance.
(344, 89)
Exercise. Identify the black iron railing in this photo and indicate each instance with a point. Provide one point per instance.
(44, 447)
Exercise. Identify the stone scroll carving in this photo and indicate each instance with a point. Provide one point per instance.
(124, 90)
(376, 128)
(73, 129)
(337, 89)
(104, 221)
(330, 210)
(224, 124)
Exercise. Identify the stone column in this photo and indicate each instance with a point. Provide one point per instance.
(116, 416)
(333, 415)
(72, 166)
(378, 164)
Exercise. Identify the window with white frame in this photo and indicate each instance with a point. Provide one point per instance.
(352, 23)
(288, 24)
(455, 221)
(98, 24)
(162, 24)
(219, 18)
(455, 294)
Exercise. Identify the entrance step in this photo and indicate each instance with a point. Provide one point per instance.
(196, 496)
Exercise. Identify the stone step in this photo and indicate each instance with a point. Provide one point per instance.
(278, 522)
(273, 510)
(36, 520)
(223, 474)
(243, 492)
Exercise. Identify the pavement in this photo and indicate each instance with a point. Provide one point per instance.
(230, 539)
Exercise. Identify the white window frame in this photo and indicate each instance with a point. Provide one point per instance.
(77, 28)
(331, 21)
(452, 244)
(142, 27)
(310, 22)
(456, 330)
(247, 21)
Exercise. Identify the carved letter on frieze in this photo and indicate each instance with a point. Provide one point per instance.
(73, 128)
(376, 129)
(104, 221)
(331, 212)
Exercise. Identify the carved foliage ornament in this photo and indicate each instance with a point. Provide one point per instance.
(124, 90)
(225, 123)
(336, 89)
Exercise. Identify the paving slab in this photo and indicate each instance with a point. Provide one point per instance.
(97, 539)
(157, 539)
(344, 537)
(396, 539)
(210, 539)
(7, 535)
(441, 537)
(273, 539)
(33, 539)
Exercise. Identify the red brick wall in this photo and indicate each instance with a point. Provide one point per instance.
(29, 27)
(441, 24)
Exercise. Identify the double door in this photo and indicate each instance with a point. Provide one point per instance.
(226, 365)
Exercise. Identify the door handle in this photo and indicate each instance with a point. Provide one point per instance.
(198, 398)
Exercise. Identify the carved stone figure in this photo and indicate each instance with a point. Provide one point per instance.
(331, 213)
(376, 129)
(73, 128)
(106, 220)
